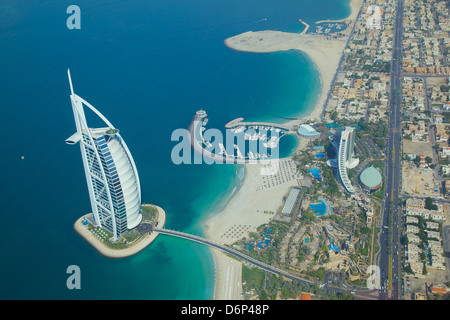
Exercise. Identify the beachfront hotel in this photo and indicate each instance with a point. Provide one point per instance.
(111, 174)
(344, 143)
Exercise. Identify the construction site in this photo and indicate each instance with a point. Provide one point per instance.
(419, 181)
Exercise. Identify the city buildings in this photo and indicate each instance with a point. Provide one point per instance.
(416, 207)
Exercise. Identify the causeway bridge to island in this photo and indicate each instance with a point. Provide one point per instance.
(224, 248)
(363, 294)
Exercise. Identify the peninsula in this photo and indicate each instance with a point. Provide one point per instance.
(326, 53)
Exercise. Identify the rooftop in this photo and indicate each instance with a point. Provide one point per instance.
(307, 130)
(371, 177)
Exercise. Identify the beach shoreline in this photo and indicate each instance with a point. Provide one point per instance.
(247, 209)
(244, 212)
(325, 54)
(355, 6)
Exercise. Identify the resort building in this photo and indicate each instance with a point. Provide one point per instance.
(290, 201)
(345, 159)
(111, 174)
(308, 132)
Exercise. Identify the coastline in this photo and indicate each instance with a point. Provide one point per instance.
(355, 5)
(245, 211)
(119, 253)
(325, 53)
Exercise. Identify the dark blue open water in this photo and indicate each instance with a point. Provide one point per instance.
(147, 66)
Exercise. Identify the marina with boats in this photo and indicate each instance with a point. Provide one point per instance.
(250, 140)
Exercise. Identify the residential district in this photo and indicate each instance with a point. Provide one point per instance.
(330, 226)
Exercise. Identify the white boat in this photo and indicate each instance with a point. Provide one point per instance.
(222, 149)
(239, 154)
(253, 137)
(272, 143)
(238, 130)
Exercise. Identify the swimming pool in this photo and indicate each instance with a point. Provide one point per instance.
(315, 173)
(333, 247)
(321, 208)
(319, 155)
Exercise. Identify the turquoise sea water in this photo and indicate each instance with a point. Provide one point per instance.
(147, 66)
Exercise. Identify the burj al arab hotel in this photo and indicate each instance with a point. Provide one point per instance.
(111, 174)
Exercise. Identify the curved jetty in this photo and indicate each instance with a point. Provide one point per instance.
(195, 136)
(240, 122)
(248, 130)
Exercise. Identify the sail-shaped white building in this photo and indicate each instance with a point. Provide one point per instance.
(111, 174)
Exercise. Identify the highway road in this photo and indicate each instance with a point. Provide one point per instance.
(435, 199)
(389, 259)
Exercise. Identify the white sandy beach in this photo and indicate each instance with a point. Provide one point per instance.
(325, 53)
(355, 5)
(246, 210)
